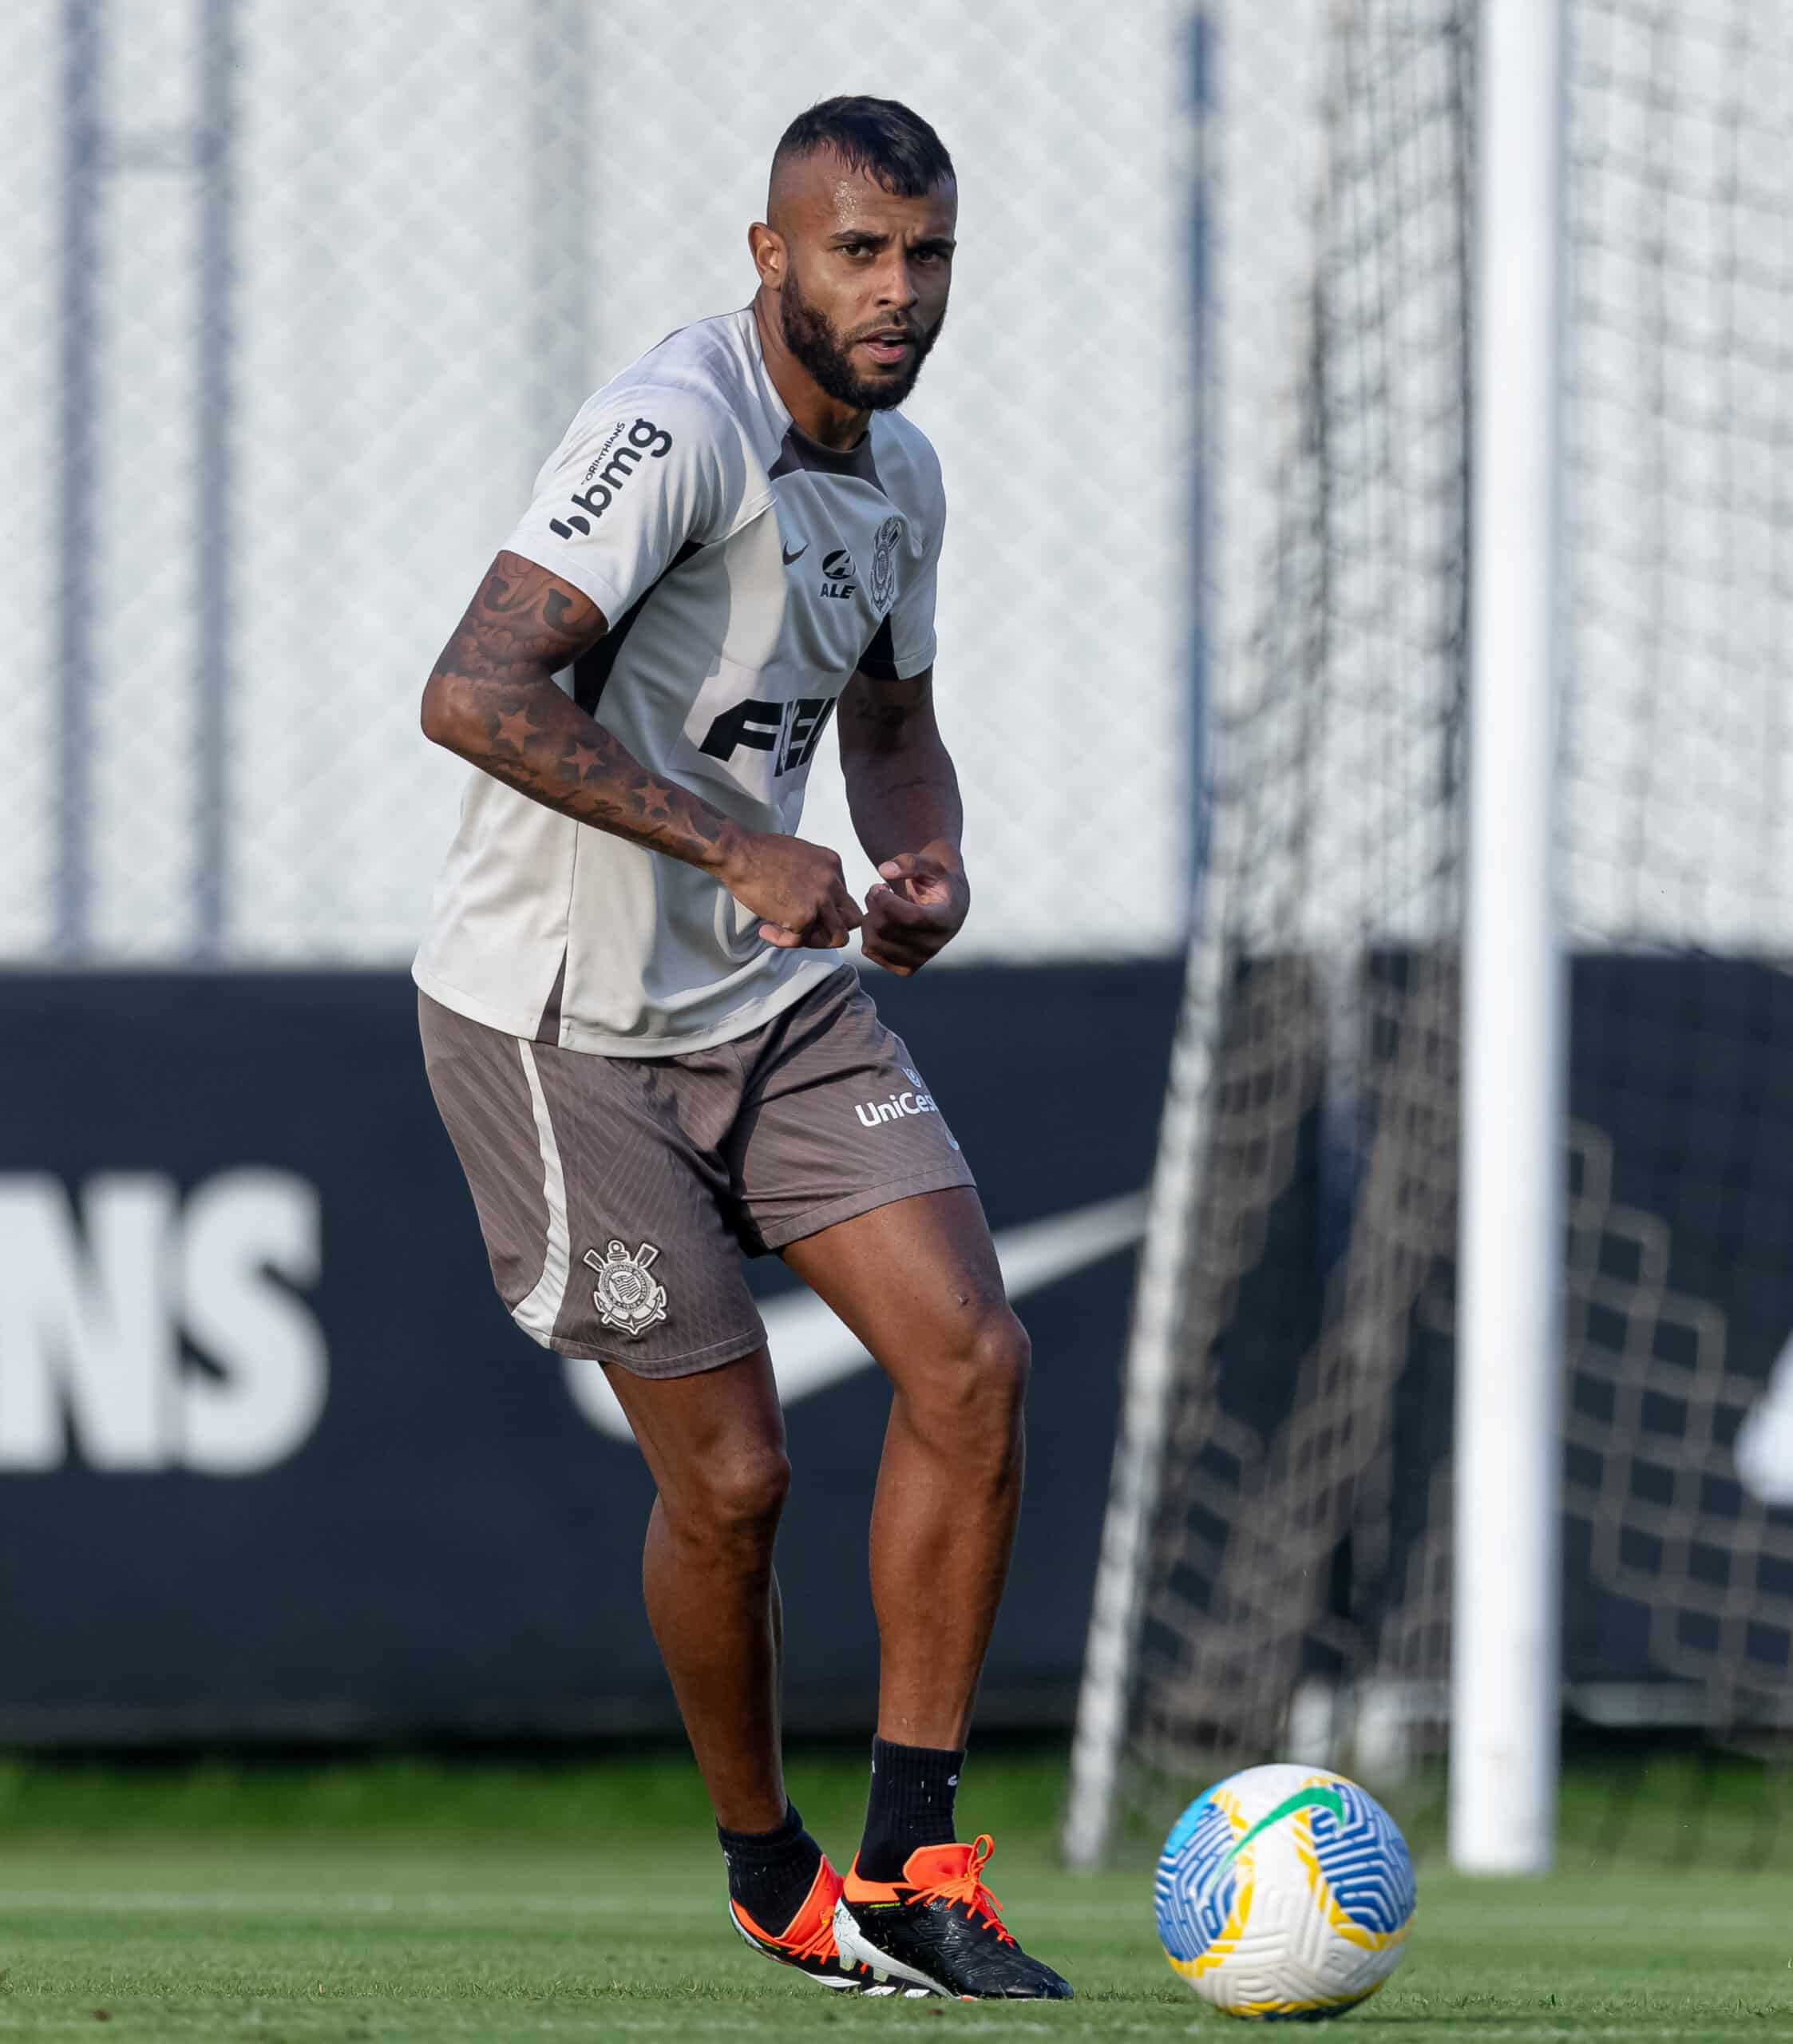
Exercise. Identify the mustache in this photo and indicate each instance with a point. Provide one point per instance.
(908, 328)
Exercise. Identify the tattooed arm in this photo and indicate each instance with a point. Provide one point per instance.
(493, 699)
(904, 798)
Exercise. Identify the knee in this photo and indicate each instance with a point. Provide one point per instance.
(1000, 1357)
(973, 1394)
(733, 1504)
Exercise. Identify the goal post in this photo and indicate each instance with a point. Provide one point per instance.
(1459, 1387)
(1101, 1733)
(1505, 1679)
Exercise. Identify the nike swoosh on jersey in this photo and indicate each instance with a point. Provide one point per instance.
(790, 557)
(811, 1349)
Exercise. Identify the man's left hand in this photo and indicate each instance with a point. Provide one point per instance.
(915, 911)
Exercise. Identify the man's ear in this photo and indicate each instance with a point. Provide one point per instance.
(767, 247)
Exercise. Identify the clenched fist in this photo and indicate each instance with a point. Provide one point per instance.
(919, 910)
(798, 889)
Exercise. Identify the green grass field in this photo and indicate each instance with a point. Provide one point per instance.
(401, 1901)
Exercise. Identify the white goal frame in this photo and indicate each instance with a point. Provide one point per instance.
(1506, 1661)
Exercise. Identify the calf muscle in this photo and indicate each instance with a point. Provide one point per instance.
(715, 1443)
(918, 1281)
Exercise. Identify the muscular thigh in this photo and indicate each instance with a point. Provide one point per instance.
(917, 1279)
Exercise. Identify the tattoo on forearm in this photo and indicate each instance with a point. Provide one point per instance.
(545, 746)
(520, 619)
(519, 631)
(882, 713)
(882, 716)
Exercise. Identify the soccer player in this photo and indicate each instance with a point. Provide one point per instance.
(647, 1048)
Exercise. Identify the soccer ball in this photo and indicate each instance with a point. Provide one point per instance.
(1285, 1893)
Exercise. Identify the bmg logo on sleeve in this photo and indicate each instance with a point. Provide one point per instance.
(609, 473)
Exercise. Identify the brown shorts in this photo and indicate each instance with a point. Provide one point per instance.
(617, 1193)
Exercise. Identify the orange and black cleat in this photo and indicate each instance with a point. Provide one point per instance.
(808, 1944)
(939, 1929)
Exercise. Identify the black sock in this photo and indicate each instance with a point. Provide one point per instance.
(769, 1872)
(911, 1804)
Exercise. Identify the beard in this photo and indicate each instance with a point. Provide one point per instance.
(811, 337)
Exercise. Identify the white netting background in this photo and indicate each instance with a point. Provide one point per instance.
(1679, 820)
(30, 174)
(445, 224)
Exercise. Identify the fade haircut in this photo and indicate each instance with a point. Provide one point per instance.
(880, 137)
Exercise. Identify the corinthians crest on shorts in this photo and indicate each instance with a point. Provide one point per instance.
(626, 1296)
(882, 584)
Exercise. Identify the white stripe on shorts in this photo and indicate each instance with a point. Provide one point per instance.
(537, 1314)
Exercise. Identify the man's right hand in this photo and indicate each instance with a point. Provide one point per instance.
(796, 888)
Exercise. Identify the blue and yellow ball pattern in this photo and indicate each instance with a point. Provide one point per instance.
(1284, 1894)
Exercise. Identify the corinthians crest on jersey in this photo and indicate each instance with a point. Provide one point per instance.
(626, 1298)
(881, 584)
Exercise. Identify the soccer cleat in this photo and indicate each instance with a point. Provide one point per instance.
(807, 1942)
(939, 1928)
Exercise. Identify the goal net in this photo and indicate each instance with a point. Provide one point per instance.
(1275, 1573)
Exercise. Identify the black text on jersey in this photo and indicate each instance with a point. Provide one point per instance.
(609, 471)
(791, 730)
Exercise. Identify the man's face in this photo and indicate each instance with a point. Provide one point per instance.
(863, 288)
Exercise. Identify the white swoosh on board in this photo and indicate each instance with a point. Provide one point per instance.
(1763, 1450)
(811, 1349)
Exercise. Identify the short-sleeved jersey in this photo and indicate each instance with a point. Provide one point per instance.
(744, 572)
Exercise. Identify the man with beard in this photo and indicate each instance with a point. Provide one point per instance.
(644, 1047)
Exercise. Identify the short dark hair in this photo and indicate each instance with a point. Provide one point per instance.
(881, 137)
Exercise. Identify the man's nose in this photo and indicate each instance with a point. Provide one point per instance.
(896, 285)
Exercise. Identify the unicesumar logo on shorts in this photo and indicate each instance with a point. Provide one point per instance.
(896, 1105)
(626, 1296)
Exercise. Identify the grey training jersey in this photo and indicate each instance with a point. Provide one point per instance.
(745, 572)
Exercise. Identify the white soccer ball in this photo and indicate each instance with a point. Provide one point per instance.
(1284, 1893)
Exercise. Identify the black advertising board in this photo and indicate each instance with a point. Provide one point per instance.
(274, 1462)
